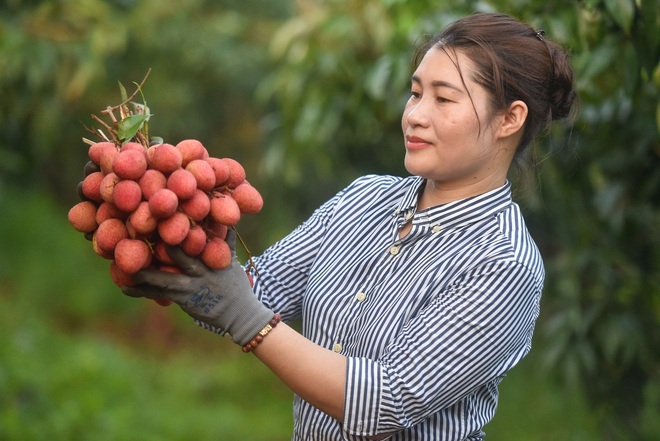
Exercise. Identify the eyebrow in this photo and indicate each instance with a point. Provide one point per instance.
(438, 83)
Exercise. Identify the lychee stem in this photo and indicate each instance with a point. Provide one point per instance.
(247, 251)
(109, 109)
(108, 128)
(141, 137)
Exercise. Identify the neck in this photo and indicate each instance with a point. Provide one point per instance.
(438, 193)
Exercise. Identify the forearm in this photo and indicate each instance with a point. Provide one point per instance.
(316, 374)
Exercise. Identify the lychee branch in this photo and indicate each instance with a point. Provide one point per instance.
(110, 109)
(247, 251)
(110, 130)
(130, 124)
(141, 194)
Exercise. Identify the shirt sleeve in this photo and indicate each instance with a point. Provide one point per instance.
(283, 269)
(470, 334)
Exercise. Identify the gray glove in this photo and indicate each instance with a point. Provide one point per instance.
(221, 299)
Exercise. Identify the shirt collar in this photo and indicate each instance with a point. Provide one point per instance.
(461, 212)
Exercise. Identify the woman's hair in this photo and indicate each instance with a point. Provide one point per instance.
(512, 62)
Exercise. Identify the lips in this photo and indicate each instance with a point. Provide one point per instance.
(416, 143)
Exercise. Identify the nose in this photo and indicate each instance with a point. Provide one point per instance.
(416, 114)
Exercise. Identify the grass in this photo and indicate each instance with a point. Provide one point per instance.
(61, 386)
(80, 361)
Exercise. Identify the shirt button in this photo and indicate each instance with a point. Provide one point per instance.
(360, 296)
(408, 216)
(394, 250)
(336, 347)
(436, 229)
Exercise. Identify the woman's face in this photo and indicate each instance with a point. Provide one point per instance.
(444, 139)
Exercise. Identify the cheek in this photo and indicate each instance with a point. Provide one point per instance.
(464, 124)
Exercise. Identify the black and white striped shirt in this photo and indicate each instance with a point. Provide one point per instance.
(430, 323)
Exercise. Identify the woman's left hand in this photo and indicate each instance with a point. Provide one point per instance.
(222, 299)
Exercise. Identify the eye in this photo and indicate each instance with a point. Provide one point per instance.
(442, 100)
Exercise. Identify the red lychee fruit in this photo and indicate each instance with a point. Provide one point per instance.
(195, 241)
(129, 164)
(203, 173)
(142, 220)
(95, 150)
(91, 186)
(127, 195)
(165, 158)
(107, 157)
(174, 229)
(121, 278)
(152, 181)
(132, 234)
(236, 172)
(107, 211)
(170, 269)
(160, 254)
(108, 187)
(82, 217)
(216, 254)
(109, 233)
(163, 203)
(220, 168)
(224, 209)
(110, 255)
(216, 229)
(197, 207)
(182, 183)
(134, 146)
(248, 198)
(132, 255)
(191, 149)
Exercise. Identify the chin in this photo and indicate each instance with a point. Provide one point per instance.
(415, 168)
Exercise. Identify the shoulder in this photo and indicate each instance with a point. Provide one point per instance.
(363, 194)
(524, 250)
(368, 195)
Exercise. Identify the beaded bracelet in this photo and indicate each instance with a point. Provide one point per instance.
(261, 334)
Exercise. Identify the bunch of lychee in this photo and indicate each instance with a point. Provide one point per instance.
(136, 200)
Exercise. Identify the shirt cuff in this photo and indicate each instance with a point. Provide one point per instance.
(365, 385)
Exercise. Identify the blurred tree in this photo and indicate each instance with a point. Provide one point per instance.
(332, 78)
(60, 61)
(340, 82)
(598, 218)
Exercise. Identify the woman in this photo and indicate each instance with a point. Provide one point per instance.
(416, 294)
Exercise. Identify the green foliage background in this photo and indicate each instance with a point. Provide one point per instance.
(308, 95)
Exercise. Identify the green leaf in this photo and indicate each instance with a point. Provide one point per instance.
(130, 125)
(623, 12)
(122, 91)
(141, 108)
(379, 77)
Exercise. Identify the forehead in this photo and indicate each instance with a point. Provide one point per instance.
(446, 65)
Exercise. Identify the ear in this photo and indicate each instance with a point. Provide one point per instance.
(513, 119)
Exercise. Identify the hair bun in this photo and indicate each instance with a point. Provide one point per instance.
(562, 93)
